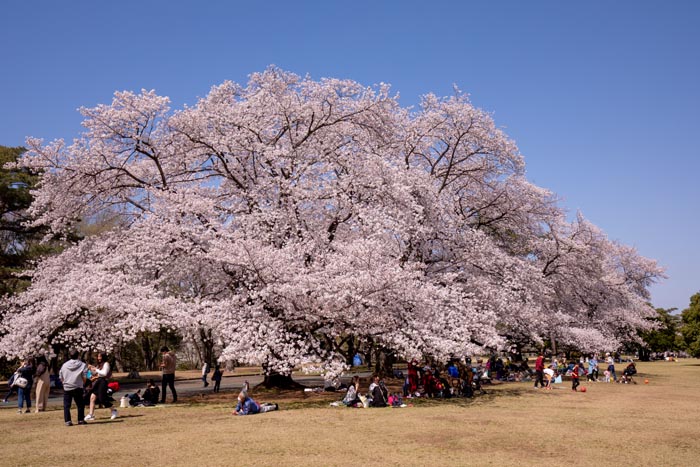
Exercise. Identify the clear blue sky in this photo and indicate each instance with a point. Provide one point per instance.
(603, 98)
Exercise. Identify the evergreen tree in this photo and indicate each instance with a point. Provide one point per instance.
(18, 242)
(691, 326)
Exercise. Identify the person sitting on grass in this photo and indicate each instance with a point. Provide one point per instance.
(352, 398)
(379, 393)
(151, 395)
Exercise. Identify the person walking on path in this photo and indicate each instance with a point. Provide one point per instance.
(205, 372)
(216, 377)
(539, 371)
(168, 366)
(43, 383)
(73, 375)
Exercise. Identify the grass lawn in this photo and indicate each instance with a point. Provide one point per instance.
(655, 424)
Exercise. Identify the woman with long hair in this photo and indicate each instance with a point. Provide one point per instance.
(98, 395)
(352, 398)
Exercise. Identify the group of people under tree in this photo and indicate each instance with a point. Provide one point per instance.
(588, 366)
(378, 395)
(31, 370)
(466, 379)
(86, 385)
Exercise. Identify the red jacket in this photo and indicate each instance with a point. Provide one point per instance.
(539, 363)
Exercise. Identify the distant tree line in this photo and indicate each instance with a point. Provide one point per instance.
(675, 332)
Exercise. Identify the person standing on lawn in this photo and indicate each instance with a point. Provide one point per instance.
(24, 394)
(539, 370)
(41, 376)
(167, 365)
(610, 360)
(73, 375)
(575, 373)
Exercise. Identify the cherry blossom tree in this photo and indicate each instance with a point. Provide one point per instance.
(284, 217)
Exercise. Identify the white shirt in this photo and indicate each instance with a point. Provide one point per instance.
(104, 371)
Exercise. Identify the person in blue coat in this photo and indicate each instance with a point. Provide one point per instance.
(246, 405)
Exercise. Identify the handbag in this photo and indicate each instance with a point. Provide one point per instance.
(21, 382)
(557, 380)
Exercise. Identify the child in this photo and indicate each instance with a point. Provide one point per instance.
(575, 376)
(606, 375)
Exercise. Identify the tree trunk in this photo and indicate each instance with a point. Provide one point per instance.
(280, 381)
(206, 346)
(150, 355)
(275, 380)
(351, 351)
(644, 354)
(368, 354)
(384, 363)
(554, 344)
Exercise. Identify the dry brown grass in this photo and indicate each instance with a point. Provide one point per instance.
(611, 424)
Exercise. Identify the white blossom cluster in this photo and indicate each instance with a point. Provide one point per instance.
(289, 214)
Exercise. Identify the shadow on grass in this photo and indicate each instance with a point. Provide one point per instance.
(487, 398)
